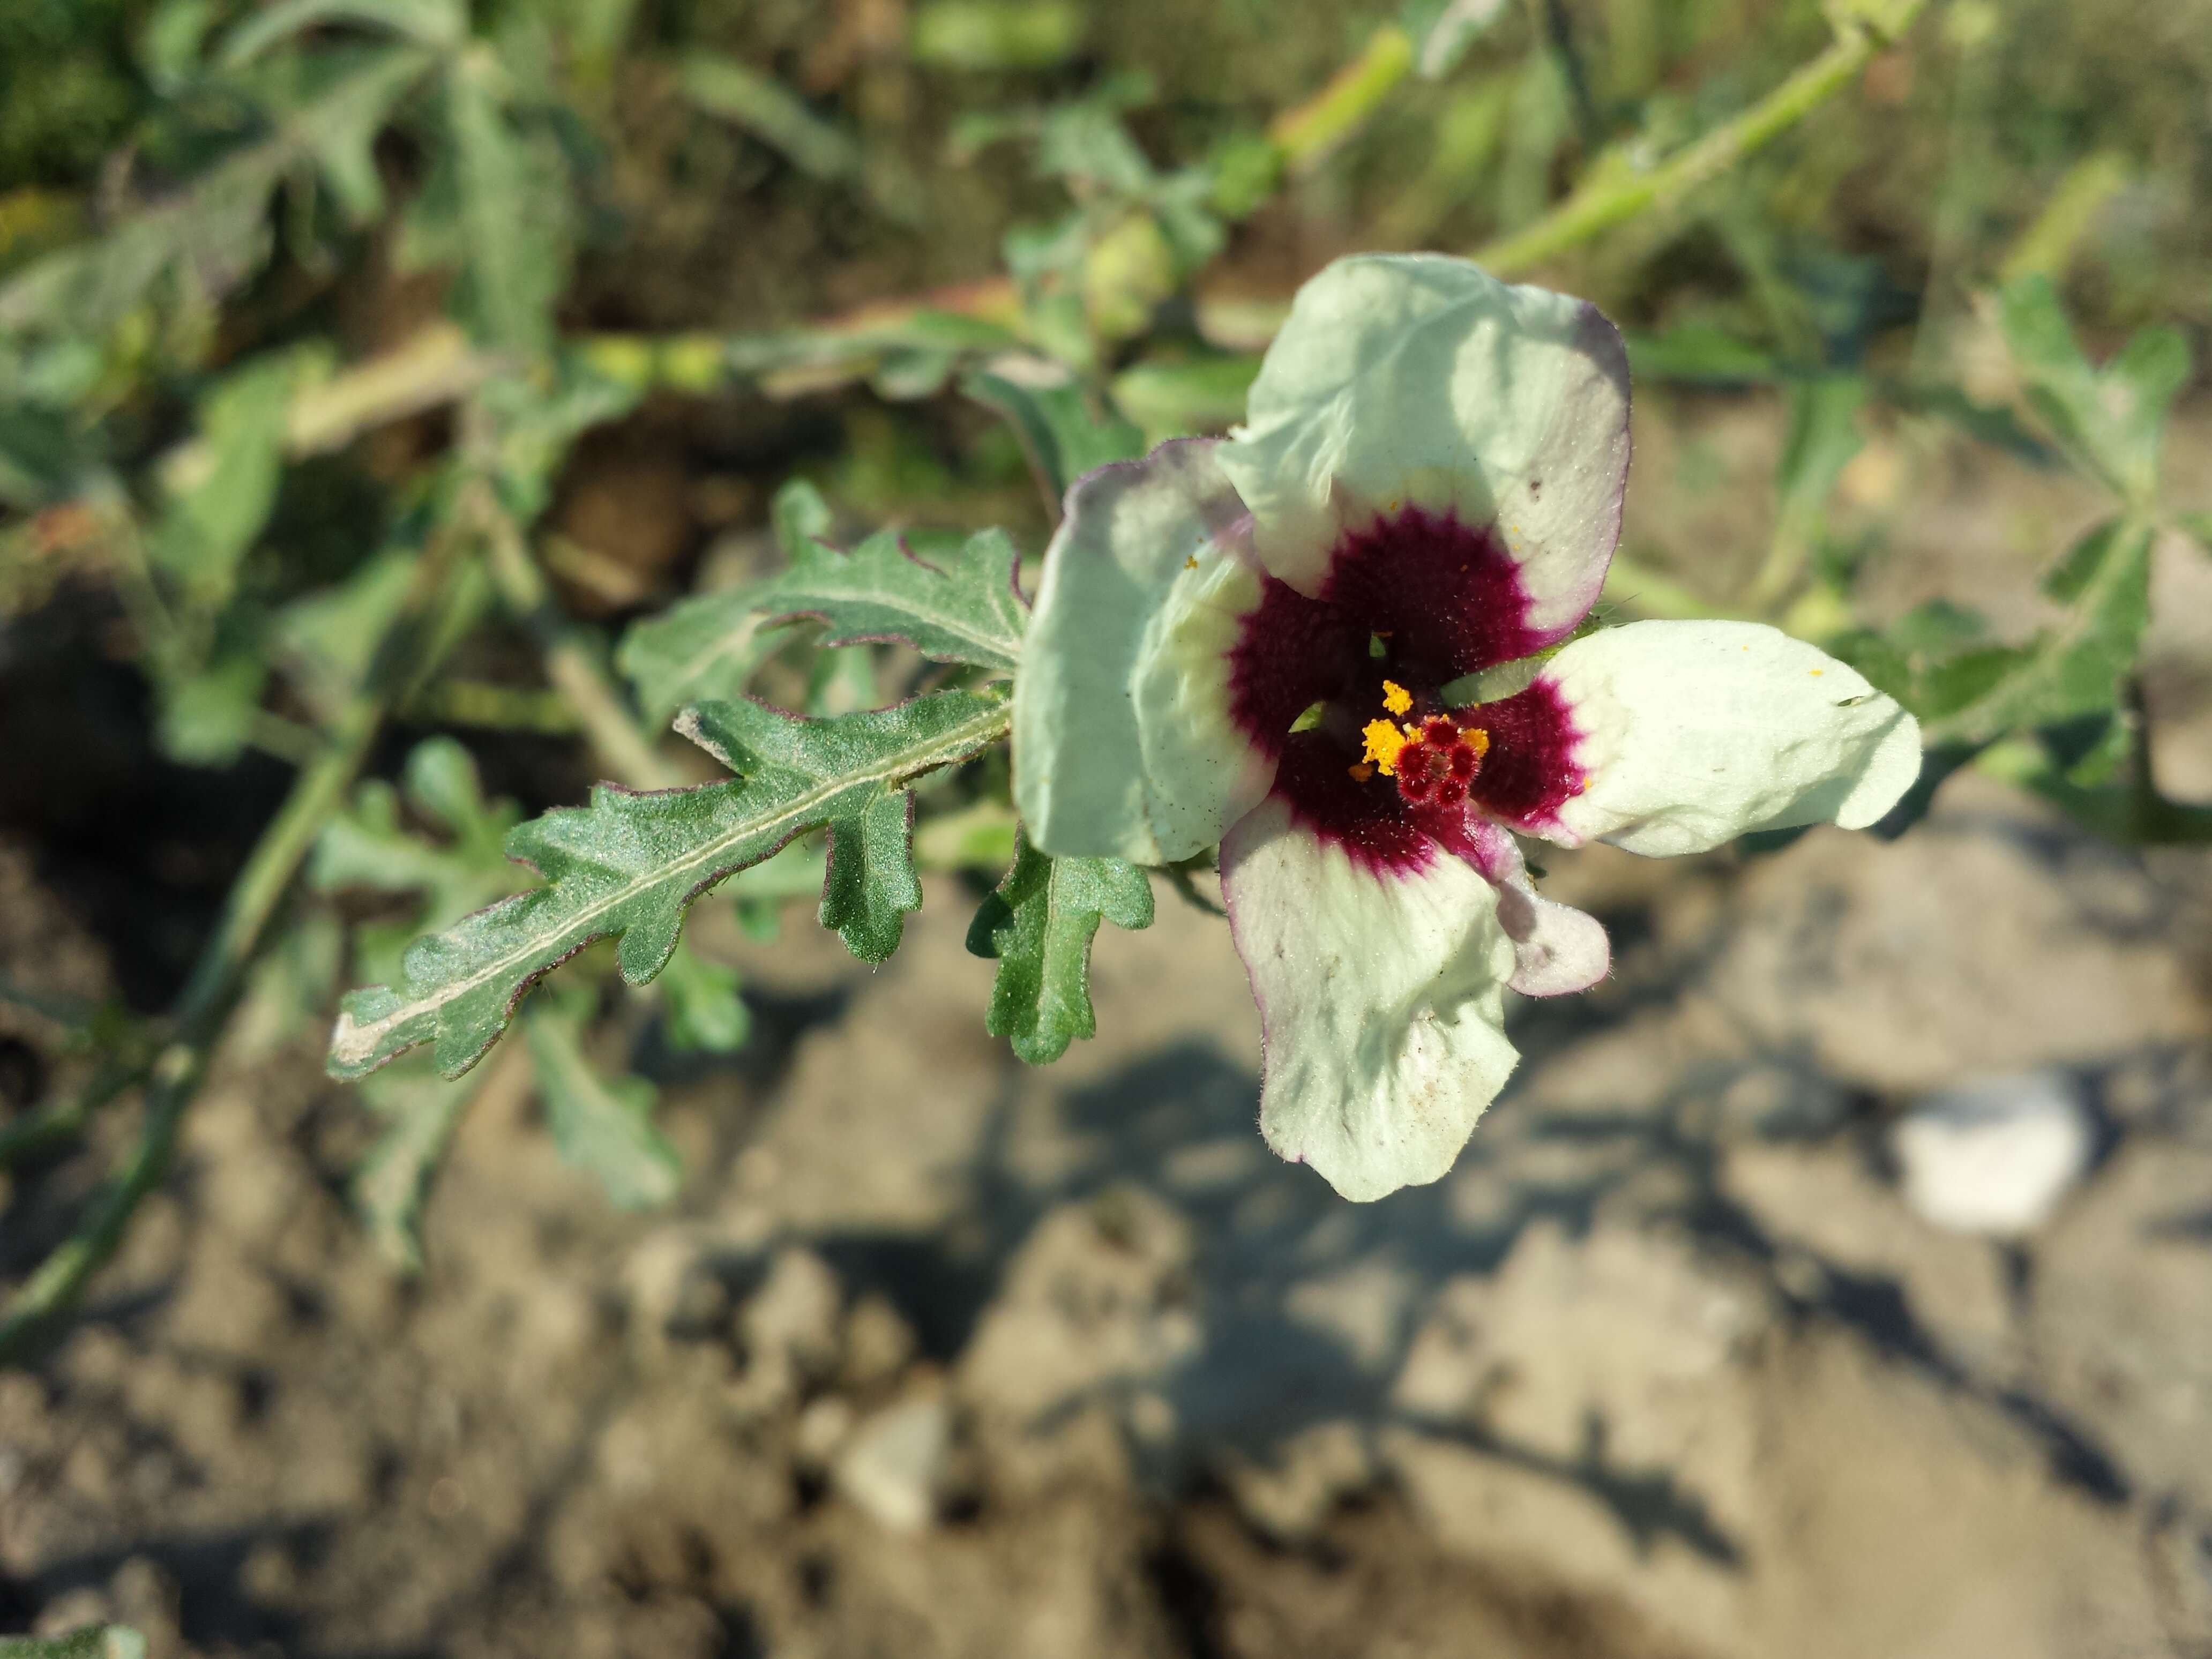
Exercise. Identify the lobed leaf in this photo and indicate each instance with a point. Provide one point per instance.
(1052, 414)
(421, 1111)
(952, 601)
(512, 209)
(2068, 670)
(629, 865)
(210, 232)
(966, 607)
(1039, 924)
(601, 1124)
(872, 885)
(2114, 421)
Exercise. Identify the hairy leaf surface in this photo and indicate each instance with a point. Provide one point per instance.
(960, 605)
(953, 601)
(1039, 924)
(629, 865)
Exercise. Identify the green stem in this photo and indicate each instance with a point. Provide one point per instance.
(47, 1005)
(493, 708)
(1306, 135)
(1610, 198)
(571, 663)
(62, 1122)
(203, 1007)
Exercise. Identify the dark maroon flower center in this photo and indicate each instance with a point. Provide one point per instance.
(1436, 767)
(1343, 691)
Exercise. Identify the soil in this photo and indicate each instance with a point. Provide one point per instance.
(940, 1356)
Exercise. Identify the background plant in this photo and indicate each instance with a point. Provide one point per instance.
(324, 324)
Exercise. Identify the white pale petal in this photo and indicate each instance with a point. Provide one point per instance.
(1381, 1005)
(1124, 746)
(1557, 949)
(1417, 378)
(1695, 732)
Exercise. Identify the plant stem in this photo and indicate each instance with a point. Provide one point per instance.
(1307, 132)
(203, 1007)
(571, 663)
(52, 1125)
(1610, 196)
(493, 708)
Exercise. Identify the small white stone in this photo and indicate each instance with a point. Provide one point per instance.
(894, 1469)
(1994, 1156)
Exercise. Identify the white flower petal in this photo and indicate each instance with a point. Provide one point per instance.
(1418, 378)
(1557, 949)
(1694, 732)
(1381, 1007)
(1124, 744)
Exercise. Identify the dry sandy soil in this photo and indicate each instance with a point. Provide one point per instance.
(938, 1356)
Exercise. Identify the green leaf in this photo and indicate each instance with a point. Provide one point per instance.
(98, 1642)
(169, 46)
(2071, 670)
(210, 234)
(705, 1011)
(325, 639)
(872, 884)
(997, 34)
(1087, 141)
(770, 111)
(535, 419)
(420, 1110)
(1175, 398)
(957, 604)
(2114, 423)
(705, 649)
(629, 865)
(214, 518)
(207, 716)
(962, 607)
(1700, 353)
(435, 23)
(1039, 924)
(511, 202)
(1062, 432)
(602, 1125)
(368, 847)
(1824, 436)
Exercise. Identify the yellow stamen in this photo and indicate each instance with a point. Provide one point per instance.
(1477, 739)
(1361, 773)
(1398, 699)
(1384, 740)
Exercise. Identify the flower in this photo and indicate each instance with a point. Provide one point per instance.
(1344, 642)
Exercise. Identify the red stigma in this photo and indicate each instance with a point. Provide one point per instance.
(1435, 767)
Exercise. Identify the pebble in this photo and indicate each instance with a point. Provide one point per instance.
(1994, 1156)
(894, 1469)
